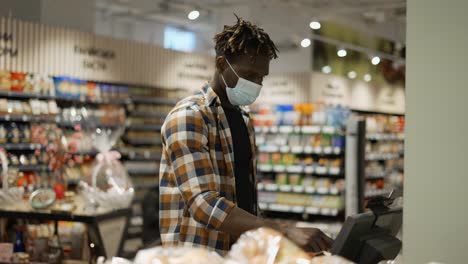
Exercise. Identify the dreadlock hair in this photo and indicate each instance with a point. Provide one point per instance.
(244, 37)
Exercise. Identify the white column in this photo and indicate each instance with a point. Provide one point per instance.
(436, 172)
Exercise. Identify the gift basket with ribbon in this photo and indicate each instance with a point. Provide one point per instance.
(108, 186)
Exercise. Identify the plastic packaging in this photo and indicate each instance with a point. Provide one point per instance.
(108, 186)
(266, 246)
(168, 255)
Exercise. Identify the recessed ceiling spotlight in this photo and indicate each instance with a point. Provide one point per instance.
(194, 14)
(352, 74)
(367, 77)
(315, 25)
(375, 60)
(305, 43)
(326, 69)
(341, 53)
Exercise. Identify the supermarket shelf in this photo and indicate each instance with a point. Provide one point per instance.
(297, 129)
(315, 170)
(271, 187)
(145, 186)
(376, 176)
(82, 100)
(153, 100)
(21, 95)
(270, 148)
(298, 209)
(31, 168)
(146, 114)
(374, 193)
(84, 152)
(22, 146)
(27, 118)
(146, 156)
(385, 136)
(142, 172)
(143, 141)
(144, 127)
(68, 124)
(383, 156)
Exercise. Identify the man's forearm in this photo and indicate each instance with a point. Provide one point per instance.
(239, 221)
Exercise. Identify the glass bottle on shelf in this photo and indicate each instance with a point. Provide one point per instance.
(19, 244)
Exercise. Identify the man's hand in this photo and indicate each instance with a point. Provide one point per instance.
(309, 239)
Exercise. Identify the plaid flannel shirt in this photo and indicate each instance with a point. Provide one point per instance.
(197, 183)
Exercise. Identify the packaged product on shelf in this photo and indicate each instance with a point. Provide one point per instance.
(18, 81)
(5, 80)
(295, 179)
(281, 179)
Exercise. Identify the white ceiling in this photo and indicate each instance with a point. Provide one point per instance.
(286, 20)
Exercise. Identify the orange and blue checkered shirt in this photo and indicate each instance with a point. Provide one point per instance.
(196, 182)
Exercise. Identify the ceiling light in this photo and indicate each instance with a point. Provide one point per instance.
(305, 43)
(367, 77)
(375, 60)
(315, 25)
(194, 14)
(326, 69)
(341, 53)
(352, 74)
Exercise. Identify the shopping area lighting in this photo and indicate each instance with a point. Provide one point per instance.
(315, 25)
(341, 53)
(375, 60)
(326, 69)
(194, 14)
(352, 74)
(367, 77)
(305, 43)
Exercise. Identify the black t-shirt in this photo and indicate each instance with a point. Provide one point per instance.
(245, 186)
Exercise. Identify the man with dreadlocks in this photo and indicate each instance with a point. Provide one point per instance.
(207, 176)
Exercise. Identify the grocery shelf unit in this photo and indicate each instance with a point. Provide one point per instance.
(141, 152)
(300, 179)
(384, 158)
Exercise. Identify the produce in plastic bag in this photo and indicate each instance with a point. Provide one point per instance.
(168, 255)
(266, 246)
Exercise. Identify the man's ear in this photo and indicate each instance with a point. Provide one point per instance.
(221, 64)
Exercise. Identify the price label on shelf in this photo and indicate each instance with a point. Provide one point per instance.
(311, 129)
(318, 150)
(260, 186)
(297, 209)
(271, 187)
(146, 154)
(334, 171)
(279, 168)
(308, 149)
(284, 149)
(265, 129)
(337, 150)
(265, 167)
(263, 206)
(312, 210)
(298, 189)
(7, 118)
(274, 129)
(258, 129)
(309, 169)
(327, 150)
(297, 149)
(328, 130)
(24, 118)
(322, 190)
(295, 169)
(334, 190)
(309, 189)
(321, 170)
(280, 207)
(326, 211)
(297, 129)
(285, 188)
(286, 129)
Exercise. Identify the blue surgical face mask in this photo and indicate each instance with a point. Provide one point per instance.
(244, 93)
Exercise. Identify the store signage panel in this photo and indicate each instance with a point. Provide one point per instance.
(390, 99)
(285, 88)
(330, 89)
(363, 96)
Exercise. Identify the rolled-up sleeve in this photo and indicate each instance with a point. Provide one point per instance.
(185, 139)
